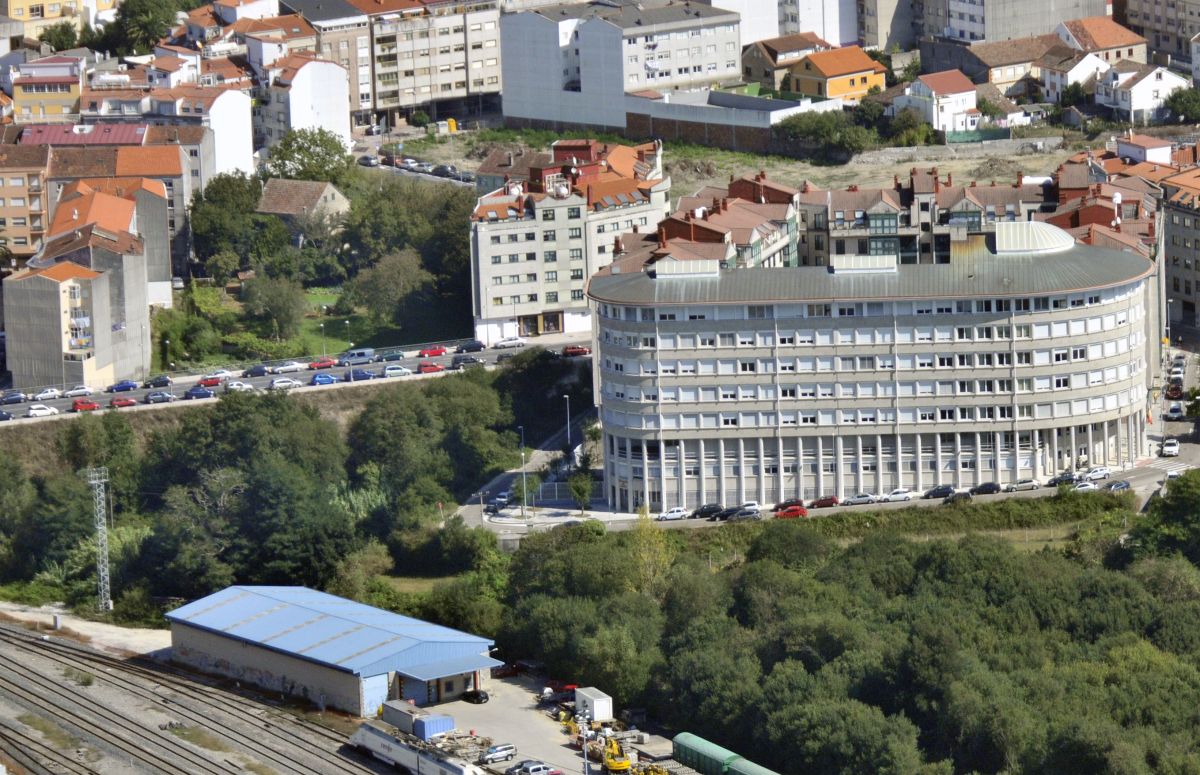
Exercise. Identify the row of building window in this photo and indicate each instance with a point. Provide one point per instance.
(549, 256)
(551, 298)
(531, 236)
(550, 277)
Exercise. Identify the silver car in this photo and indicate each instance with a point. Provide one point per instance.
(1024, 484)
(861, 499)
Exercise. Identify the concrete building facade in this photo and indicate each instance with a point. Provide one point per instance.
(946, 101)
(1025, 354)
(343, 36)
(831, 20)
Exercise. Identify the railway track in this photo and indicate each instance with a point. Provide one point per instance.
(289, 744)
(37, 757)
(138, 743)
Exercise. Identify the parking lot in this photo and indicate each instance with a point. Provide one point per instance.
(511, 716)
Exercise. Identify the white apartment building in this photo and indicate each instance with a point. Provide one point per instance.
(433, 52)
(1025, 355)
(297, 91)
(575, 63)
(946, 101)
(343, 36)
(533, 245)
(833, 20)
(1138, 93)
(1061, 69)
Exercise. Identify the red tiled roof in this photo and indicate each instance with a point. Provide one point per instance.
(1101, 32)
(843, 61)
(947, 82)
(26, 80)
(90, 134)
(149, 161)
(61, 272)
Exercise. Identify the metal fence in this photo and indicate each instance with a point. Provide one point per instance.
(979, 135)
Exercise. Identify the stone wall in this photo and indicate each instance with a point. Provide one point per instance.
(934, 153)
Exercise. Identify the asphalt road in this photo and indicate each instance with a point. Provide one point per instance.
(182, 383)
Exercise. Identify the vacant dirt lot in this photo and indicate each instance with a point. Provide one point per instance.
(691, 167)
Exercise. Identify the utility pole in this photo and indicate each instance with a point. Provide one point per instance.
(96, 479)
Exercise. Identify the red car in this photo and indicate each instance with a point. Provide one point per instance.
(84, 405)
(792, 512)
(209, 382)
(323, 363)
(117, 403)
(432, 351)
(575, 350)
(428, 367)
(825, 502)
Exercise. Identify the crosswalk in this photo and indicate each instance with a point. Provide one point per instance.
(1169, 464)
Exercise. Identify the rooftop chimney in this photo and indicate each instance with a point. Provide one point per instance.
(662, 236)
(1020, 178)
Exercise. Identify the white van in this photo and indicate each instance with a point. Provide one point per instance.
(504, 752)
(357, 357)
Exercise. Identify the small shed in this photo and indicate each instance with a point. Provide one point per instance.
(402, 714)
(596, 704)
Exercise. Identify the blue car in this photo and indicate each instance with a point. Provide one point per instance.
(159, 397)
(14, 397)
(358, 375)
(123, 386)
(5, 416)
(198, 391)
(323, 378)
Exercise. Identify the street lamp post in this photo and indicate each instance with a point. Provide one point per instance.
(567, 398)
(166, 353)
(349, 347)
(322, 339)
(524, 487)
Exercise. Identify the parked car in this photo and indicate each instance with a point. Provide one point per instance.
(40, 410)
(941, 491)
(460, 362)
(466, 176)
(289, 367)
(394, 355)
(358, 375)
(284, 383)
(824, 502)
(79, 391)
(123, 386)
(509, 341)
(987, 488)
(706, 511)
(784, 504)
(1175, 412)
(359, 356)
(222, 374)
(957, 497)
(724, 514)
(120, 402)
(396, 370)
(208, 382)
(5, 416)
(323, 379)
(1177, 371)
(1170, 448)
(677, 512)
(1097, 472)
(476, 696)
(14, 397)
(234, 386)
(84, 405)
(792, 512)
(745, 514)
(445, 171)
(752, 505)
(502, 357)
(1174, 392)
(1086, 486)
(861, 499)
(1068, 478)
(473, 346)
(429, 367)
(47, 394)
(259, 370)
(324, 362)
(1024, 484)
(519, 766)
(198, 391)
(432, 351)
(1118, 486)
(159, 397)
(160, 381)
(507, 670)
(898, 494)
(497, 753)
(575, 351)
(367, 160)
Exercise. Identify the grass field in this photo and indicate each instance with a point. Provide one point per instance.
(415, 585)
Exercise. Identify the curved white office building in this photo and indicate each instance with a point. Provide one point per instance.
(1025, 355)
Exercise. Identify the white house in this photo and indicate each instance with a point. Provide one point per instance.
(1138, 93)
(301, 92)
(1142, 148)
(946, 100)
(1061, 68)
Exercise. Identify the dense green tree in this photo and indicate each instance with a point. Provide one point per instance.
(142, 23)
(310, 154)
(1075, 95)
(386, 286)
(1185, 104)
(842, 738)
(580, 483)
(278, 305)
(833, 133)
(222, 266)
(106, 440)
(59, 517)
(60, 36)
(222, 216)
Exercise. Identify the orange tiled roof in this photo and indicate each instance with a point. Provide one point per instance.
(947, 82)
(385, 6)
(843, 61)
(125, 188)
(149, 161)
(81, 205)
(61, 272)
(1101, 32)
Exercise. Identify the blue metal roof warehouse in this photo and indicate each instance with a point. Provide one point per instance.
(335, 633)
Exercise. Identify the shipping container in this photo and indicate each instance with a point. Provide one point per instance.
(401, 714)
(596, 704)
(429, 727)
(699, 754)
(747, 767)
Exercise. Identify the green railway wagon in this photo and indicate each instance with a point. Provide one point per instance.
(747, 767)
(701, 755)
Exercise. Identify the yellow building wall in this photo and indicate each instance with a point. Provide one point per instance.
(52, 106)
(847, 86)
(37, 15)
